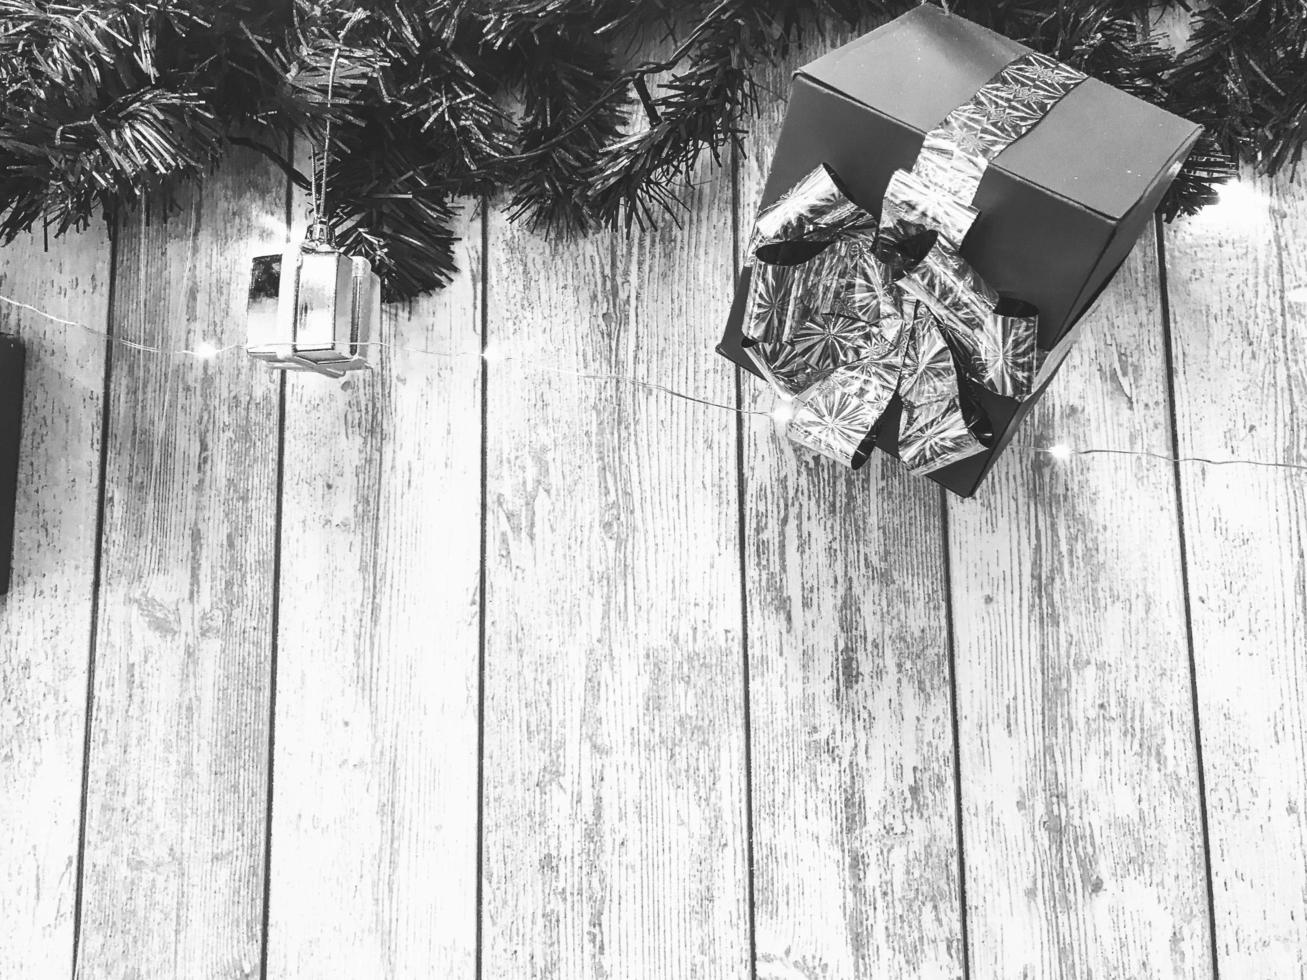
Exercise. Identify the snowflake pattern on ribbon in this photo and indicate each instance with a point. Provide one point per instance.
(1043, 70)
(771, 302)
(826, 342)
(1005, 116)
(839, 415)
(784, 368)
(958, 151)
(969, 144)
(1009, 354)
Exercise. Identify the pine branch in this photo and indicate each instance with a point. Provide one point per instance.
(428, 100)
(701, 108)
(580, 77)
(388, 208)
(89, 120)
(1244, 78)
(1118, 50)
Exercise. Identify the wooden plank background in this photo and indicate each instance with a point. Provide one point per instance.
(1078, 762)
(509, 669)
(373, 833)
(46, 620)
(614, 805)
(854, 779)
(1237, 281)
(177, 743)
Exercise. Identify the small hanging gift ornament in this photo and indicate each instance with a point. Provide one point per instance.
(312, 307)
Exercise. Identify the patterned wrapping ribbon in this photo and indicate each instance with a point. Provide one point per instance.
(845, 311)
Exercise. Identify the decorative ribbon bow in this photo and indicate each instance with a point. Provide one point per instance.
(845, 311)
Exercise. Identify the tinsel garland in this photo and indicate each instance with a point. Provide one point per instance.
(530, 101)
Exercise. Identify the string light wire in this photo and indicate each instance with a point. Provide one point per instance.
(204, 350)
(207, 351)
(1063, 452)
(639, 383)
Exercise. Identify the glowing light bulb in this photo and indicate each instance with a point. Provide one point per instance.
(1241, 205)
(1060, 452)
(205, 351)
(782, 411)
(1238, 192)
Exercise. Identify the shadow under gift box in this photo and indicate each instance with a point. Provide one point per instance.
(11, 424)
(1060, 209)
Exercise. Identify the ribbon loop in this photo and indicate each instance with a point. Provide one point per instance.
(870, 310)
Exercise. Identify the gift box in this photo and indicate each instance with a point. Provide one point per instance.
(1058, 206)
(312, 308)
(11, 418)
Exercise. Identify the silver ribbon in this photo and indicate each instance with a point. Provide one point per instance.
(845, 311)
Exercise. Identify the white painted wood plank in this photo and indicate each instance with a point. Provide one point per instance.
(1080, 800)
(173, 879)
(373, 857)
(855, 845)
(45, 620)
(614, 740)
(1236, 277)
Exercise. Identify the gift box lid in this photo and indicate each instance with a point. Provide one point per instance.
(919, 67)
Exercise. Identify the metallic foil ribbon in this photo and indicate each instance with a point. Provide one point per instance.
(846, 310)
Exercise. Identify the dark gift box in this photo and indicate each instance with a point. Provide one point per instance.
(1060, 208)
(11, 417)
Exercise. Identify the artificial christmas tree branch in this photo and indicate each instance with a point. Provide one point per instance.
(107, 103)
(1244, 78)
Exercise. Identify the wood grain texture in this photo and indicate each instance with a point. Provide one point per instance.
(614, 811)
(1236, 277)
(374, 831)
(45, 620)
(1081, 813)
(614, 740)
(855, 845)
(173, 878)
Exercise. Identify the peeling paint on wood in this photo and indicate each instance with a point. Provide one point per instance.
(176, 789)
(614, 758)
(1240, 341)
(855, 836)
(1081, 813)
(45, 620)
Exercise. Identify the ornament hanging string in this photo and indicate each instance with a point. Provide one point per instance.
(207, 352)
(320, 227)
